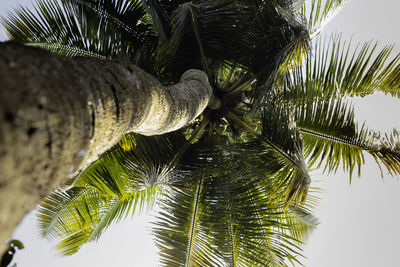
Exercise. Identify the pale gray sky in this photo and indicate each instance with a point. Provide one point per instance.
(359, 223)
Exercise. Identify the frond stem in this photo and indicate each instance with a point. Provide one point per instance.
(337, 139)
(193, 224)
(71, 49)
(195, 27)
(231, 233)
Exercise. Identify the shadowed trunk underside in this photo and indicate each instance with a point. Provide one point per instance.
(58, 114)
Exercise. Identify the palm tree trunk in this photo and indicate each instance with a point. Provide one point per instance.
(58, 114)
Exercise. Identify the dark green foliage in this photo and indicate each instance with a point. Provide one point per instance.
(107, 29)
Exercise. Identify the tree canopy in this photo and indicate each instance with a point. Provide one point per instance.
(233, 187)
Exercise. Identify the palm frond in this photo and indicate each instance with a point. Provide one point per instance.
(138, 162)
(183, 20)
(178, 231)
(244, 190)
(160, 12)
(252, 173)
(335, 71)
(122, 180)
(109, 189)
(49, 26)
(289, 53)
(229, 33)
(80, 215)
(296, 5)
(124, 14)
(154, 160)
(332, 137)
(111, 29)
(219, 223)
(280, 129)
(302, 223)
(321, 12)
(107, 175)
(297, 53)
(122, 23)
(281, 138)
(298, 49)
(87, 223)
(246, 223)
(50, 210)
(71, 218)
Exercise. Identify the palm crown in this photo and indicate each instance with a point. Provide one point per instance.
(233, 186)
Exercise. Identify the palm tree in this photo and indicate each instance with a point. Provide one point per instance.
(233, 185)
(102, 100)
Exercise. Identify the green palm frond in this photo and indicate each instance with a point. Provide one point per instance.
(289, 54)
(111, 29)
(125, 178)
(291, 32)
(107, 175)
(321, 12)
(79, 215)
(69, 217)
(49, 26)
(86, 226)
(295, 5)
(296, 55)
(297, 50)
(184, 19)
(332, 137)
(257, 237)
(221, 223)
(49, 210)
(127, 15)
(281, 138)
(154, 160)
(122, 23)
(335, 71)
(251, 170)
(279, 128)
(139, 162)
(179, 232)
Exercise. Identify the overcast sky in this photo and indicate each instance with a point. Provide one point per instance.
(359, 223)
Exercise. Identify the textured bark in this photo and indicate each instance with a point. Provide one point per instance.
(58, 114)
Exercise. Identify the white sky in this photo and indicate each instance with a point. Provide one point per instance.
(359, 223)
